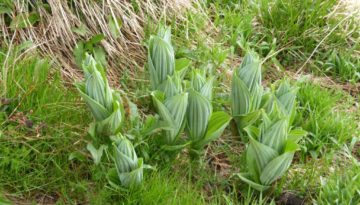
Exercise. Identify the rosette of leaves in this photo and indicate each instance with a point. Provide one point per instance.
(103, 102)
(246, 92)
(161, 58)
(203, 125)
(129, 167)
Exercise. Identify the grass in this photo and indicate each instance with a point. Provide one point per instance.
(43, 121)
(326, 114)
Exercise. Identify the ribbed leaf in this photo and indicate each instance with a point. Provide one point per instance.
(206, 89)
(162, 110)
(250, 71)
(257, 186)
(253, 132)
(198, 114)
(256, 97)
(288, 101)
(161, 59)
(173, 112)
(134, 177)
(125, 156)
(258, 156)
(171, 86)
(154, 80)
(296, 134)
(247, 119)
(276, 168)
(218, 122)
(240, 97)
(99, 111)
(197, 80)
(177, 106)
(112, 124)
(276, 135)
(181, 66)
(165, 33)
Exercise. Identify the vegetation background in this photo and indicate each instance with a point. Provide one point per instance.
(44, 122)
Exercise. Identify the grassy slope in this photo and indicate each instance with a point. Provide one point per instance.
(35, 164)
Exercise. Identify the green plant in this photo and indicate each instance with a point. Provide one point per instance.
(172, 112)
(283, 100)
(273, 143)
(270, 152)
(103, 102)
(203, 125)
(246, 91)
(340, 188)
(92, 46)
(324, 113)
(161, 59)
(342, 64)
(129, 167)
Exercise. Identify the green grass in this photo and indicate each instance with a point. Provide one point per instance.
(291, 32)
(325, 114)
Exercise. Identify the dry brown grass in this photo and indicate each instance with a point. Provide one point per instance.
(54, 36)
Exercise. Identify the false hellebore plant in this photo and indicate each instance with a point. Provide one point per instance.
(272, 144)
(161, 58)
(203, 126)
(129, 167)
(106, 107)
(246, 92)
(168, 98)
(104, 103)
(172, 112)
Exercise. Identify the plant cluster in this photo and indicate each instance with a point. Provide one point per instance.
(108, 111)
(264, 117)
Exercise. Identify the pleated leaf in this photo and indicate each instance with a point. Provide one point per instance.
(198, 114)
(134, 177)
(161, 59)
(276, 168)
(276, 135)
(217, 124)
(112, 124)
(171, 86)
(240, 97)
(245, 177)
(247, 119)
(125, 156)
(173, 112)
(258, 156)
(206, 89)
(250, 71)
(99, 111)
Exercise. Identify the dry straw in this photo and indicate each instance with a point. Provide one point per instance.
(54, 33)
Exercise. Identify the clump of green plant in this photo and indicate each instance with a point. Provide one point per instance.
(107, 109)
(203, 125)
(246, 92)
(129, 167)
(172, 112)
(168, 97)
(272, 143)
(161, 58)
(103, 102)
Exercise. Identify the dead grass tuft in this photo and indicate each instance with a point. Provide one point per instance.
(55, 37)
